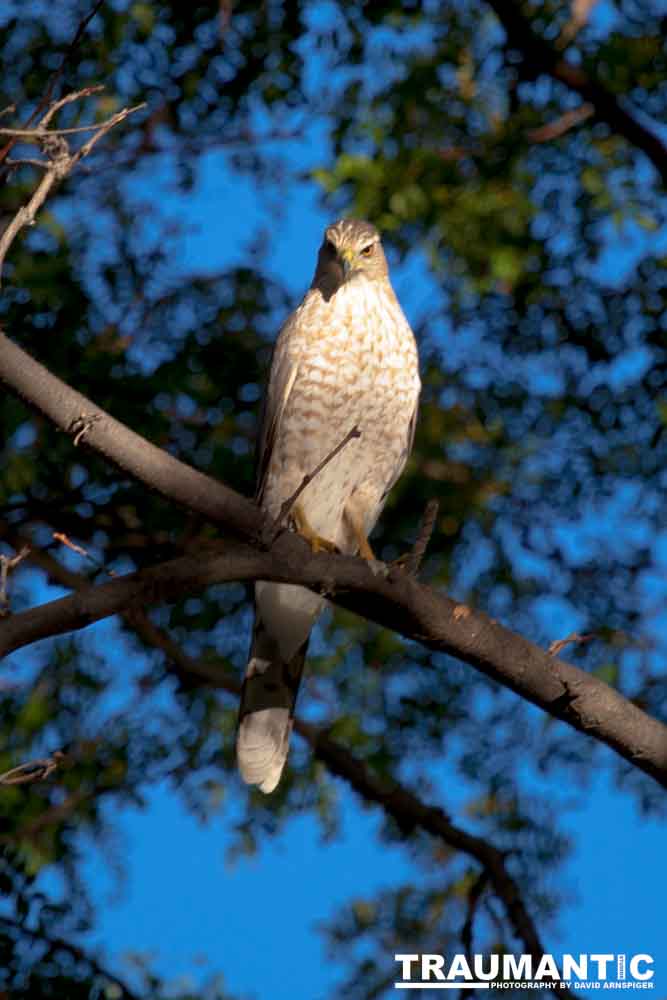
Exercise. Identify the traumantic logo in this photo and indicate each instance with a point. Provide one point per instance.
(503, 972)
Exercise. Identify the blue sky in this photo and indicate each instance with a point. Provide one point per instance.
(256, 920)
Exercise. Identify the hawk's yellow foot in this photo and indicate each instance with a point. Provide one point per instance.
(360, 536)
(316, 542)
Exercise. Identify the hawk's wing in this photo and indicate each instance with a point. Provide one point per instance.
(404, 456)
(284, 369)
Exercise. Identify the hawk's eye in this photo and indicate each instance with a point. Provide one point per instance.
(367, 251)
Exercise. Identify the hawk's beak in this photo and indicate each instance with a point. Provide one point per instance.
(348, 260)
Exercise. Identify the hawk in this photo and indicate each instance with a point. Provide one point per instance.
(346, 357)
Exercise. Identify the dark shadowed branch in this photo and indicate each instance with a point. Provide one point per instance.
(90, 426)
(406, 809)
(395, 600)
(474, 895)
(410, 814)
(79, 955)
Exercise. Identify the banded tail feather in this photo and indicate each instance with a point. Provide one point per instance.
(266, 710)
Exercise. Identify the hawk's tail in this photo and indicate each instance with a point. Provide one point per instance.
(266, 710)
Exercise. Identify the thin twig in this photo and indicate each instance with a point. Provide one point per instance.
(28, 162)
(558, 645)
(7, 564)
(558, 127)
(60, 536)
(76, 95)
(413, 560)
(33, 770)
(71, 48)
(60, 162)
(37, 134)
(26, 214)
(104, 128)
(287, 506)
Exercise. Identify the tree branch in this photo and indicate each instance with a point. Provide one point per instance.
(396, 601)
(7, 565)
(122, 991)
(90, 425)
(563, 124)
(59, 160)
(409, 812)
(540, 55)
(56, 77)
(33, 770)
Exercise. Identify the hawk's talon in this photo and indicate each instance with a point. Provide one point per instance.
(378, 568)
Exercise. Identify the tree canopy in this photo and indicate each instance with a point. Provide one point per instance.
(513, 156)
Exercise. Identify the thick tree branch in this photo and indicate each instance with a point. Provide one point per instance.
(539, 54)
(405, 808)
(396, 601)
(90, 425)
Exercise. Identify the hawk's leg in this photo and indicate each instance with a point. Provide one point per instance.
(316, 542)
(359, 534)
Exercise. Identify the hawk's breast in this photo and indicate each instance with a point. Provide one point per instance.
(357, 366)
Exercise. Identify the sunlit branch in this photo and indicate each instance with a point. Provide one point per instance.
(59, 160)
(33, 770)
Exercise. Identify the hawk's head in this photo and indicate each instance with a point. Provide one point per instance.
(351, 247)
